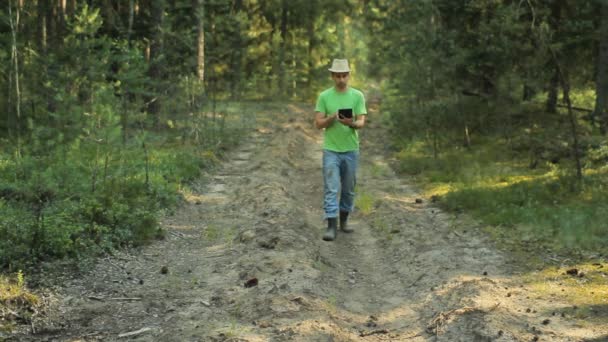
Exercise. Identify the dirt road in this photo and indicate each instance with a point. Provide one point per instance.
(244, 261)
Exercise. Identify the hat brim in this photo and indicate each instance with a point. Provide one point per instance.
(339, 70)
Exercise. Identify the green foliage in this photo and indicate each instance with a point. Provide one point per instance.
(543, 207)
(113, 121)
(542, 212)
(50, 209)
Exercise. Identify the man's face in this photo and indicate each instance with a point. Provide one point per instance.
(340, 79)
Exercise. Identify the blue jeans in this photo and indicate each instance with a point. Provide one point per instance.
(339, 174)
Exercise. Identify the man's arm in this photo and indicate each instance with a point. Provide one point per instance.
(322, 121)
(359, 122)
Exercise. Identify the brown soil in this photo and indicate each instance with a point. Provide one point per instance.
(244, 261)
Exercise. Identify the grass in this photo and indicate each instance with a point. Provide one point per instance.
(541, 208)
(587, 286)
(220, 234)
(584, 291)
(365, 202)
(80, 197)
(17, 303)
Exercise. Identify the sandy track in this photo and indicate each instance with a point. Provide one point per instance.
(409, 273)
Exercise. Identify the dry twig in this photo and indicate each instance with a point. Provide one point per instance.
(373, 332)
(134, 333)
(442, 318)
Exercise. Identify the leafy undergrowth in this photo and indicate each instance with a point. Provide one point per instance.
(542, 208)
(61, 206)
(85, 197)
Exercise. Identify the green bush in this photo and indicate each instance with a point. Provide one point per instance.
(51, 207)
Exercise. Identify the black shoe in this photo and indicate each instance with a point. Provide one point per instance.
(344, 222)
(330, 233)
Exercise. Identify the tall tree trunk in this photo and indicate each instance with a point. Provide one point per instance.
(60, 12)
(51, 25)
(42, 27)
(71, 8)
(554, 24)
(109, 21)
(127, 94)
(236, 56)
(200, 16)
(563, 79)
(283, 48)
(310, 30)
(156, 49)
(130, 22)
(14, 24)
(601, 93)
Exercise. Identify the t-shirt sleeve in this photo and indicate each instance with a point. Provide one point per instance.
(320, 107)
(360, 108)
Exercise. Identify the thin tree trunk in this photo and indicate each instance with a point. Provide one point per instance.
(109, 21)
(283, 48)
(236, 57)
(71, 8)
(14, 23)
(131, 19)
(554, 24)
(51, 24)
(601, 94)
(127, 95)
(200, 65)
(156, 49)
(573, 130)
(311, 42)
(42, 26)
(9, 104)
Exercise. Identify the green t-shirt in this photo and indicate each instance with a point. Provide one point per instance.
(339, 137)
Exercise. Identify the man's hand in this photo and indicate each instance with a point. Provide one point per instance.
(347, 121)
(322, 121)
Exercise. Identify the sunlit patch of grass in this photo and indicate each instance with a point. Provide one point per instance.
(16, 302)
(379, 170)
(438, 189)
(581, 286)
(542, 207)
(365, 202)
(220, 234)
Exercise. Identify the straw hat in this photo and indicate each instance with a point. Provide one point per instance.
(339, 65)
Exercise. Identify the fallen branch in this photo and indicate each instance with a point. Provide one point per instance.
(134, 333)
(177, 234)
(442, 318)
(373, 332)
(101, 299)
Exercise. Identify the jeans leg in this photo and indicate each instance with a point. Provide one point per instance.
(348, 177)
(331, 182)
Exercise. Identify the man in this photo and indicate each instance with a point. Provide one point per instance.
(340, 145)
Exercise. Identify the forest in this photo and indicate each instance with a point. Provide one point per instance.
(112, 111)
(112, 107)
